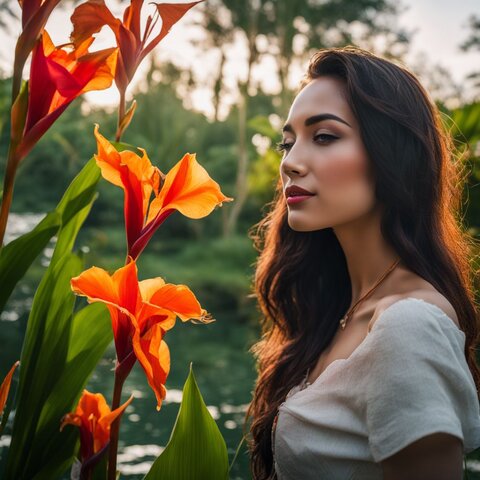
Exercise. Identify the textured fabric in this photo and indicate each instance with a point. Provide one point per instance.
(408, 378)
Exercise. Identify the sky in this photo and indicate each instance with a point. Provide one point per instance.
(440, 26)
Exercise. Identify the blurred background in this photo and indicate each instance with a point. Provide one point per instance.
(220, 85)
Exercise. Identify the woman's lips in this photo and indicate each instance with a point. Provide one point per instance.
(297, 198)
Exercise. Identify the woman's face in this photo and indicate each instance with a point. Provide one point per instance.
(324, 154)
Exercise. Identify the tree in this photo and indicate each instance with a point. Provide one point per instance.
(473, 43)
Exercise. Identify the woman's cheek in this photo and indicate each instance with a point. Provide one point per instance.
(344, 165)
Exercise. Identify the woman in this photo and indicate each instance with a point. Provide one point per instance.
(367, 365)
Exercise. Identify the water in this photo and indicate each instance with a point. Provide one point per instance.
(223, 368)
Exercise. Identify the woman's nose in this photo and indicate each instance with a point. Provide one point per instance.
(292, 165)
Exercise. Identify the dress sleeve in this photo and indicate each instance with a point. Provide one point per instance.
(419, 382)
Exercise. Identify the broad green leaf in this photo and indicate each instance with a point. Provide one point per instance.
(17, 256)
(196, 449)
(90, 335)
(60, 350)
(75, 206)
(42, 360)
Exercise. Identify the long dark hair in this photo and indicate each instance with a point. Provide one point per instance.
(301, 281)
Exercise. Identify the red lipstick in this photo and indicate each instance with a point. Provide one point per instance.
(296, 194)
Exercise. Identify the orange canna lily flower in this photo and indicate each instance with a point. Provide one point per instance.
(94, 418)
(57, 77)
(187, 187)
(141, 313)
(35, 14)
(89, 17)
(5, 387)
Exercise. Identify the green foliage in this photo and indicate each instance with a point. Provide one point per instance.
(60, 350)
(466, 123)
(18, 255)
(264, 174)
(196, 448)
(217, 270)
(463, 124)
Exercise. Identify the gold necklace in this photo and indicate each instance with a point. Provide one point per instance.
(343, 321)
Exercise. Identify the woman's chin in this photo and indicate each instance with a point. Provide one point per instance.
(300, 226)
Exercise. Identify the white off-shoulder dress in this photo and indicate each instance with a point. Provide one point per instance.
(407, 379)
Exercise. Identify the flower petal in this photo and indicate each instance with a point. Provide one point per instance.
(138, 178)
(154, 357)
(97, 285)
(149, 287)
(89, 18)
(5, 387)
(121, 295)
(108, 159)
(189, 189)
(104, 424)
(35, 14)
(170, 14)
(178, 299)
(94, 418)
(96, 70)
(70, 419)
(56, 79)
(92, 404)
(126, 282)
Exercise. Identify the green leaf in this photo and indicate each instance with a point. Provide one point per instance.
(121, 146)
(60, 350)
(196, 448)
(43, 357)
(17, 256)
(90, 335)
(75, 206)
(70, 213)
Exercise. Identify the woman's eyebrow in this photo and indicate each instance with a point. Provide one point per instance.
(315, 119)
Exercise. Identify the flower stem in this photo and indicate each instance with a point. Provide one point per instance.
(115, 428)
(7, 196)
(121, 114)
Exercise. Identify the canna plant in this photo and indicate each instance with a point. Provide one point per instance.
(35, 14)
(94, 418)
(187, 188)
(142, 312)
(62, 346)
(89, 17)
(57, 77)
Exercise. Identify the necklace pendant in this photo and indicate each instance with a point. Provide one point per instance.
(343, 322)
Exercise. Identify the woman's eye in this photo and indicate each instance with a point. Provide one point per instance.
(283, 146)
(323, 138)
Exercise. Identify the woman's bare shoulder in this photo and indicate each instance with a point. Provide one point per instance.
(429, 295)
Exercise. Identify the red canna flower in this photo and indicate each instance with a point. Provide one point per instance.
(187, 188)
(5, 387)
(57, 77)
(141, 314)
(35, 14)
(94, 418)
(89, 17)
